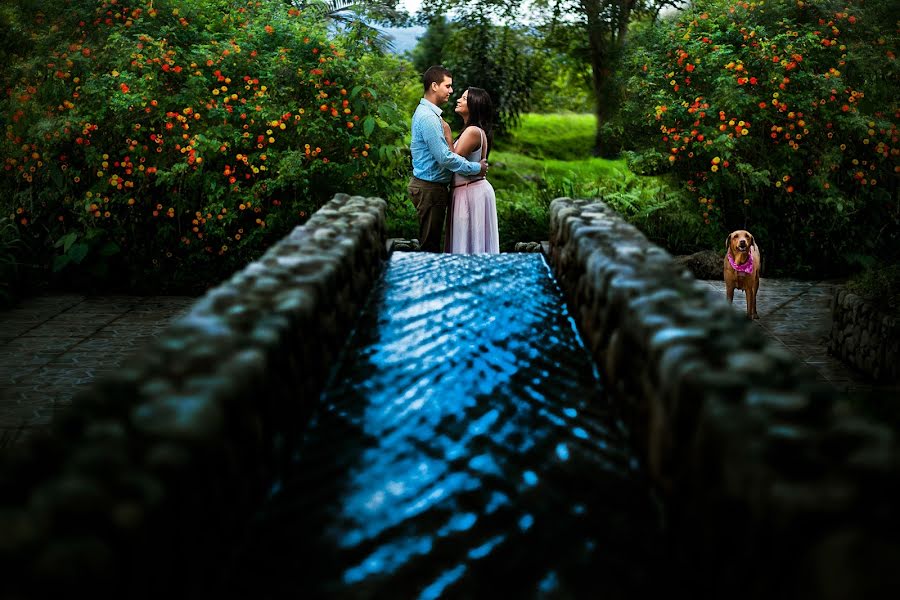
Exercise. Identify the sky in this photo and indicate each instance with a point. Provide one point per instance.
(405, 39)
(411, 6)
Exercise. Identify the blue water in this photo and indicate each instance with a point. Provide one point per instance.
(463, 446)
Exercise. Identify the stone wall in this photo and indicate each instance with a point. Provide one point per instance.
(769, 490)
(149, 475)
(864, 336)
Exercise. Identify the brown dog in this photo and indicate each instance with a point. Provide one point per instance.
(742, 265)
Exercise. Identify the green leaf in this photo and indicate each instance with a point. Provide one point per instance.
(368, 125)
(109, 248)
(93, 234)
(355, 91)
(66, 241)
(56, 176)
(78, 252)
(60, 262)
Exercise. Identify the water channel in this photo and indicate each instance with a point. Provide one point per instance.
(463, 449)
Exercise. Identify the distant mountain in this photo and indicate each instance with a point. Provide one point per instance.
(404, 38)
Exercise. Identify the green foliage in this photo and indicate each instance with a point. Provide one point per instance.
(163, 145)
(565, 80)
(402, 220)
(880, 284)
(499, 59)
(778, 117)
(429, 50)
(9, 263)
(536, 165)
(552, 136)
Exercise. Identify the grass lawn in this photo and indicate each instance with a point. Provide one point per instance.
(566, 137)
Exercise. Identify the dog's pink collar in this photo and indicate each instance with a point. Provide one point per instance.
(747, 267)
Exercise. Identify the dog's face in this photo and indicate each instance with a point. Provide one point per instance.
(739, 241)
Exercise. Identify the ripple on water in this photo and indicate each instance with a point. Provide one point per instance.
(474, 405)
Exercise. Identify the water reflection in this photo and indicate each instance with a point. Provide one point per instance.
(459, 445)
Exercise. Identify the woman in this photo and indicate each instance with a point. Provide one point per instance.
(472, 224)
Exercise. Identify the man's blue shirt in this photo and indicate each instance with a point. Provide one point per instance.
(432, 158)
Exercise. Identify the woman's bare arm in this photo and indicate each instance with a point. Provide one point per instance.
(469, 141)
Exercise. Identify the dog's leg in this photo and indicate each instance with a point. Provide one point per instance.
(729, 292)
(751, 304)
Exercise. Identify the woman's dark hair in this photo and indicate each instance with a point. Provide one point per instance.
(481, 114)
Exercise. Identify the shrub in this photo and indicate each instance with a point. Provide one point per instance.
(526, 185)
(880, 285)
(165, 144)
(9, 264)
(780, 117)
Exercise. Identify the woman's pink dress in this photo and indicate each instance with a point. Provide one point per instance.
(472, 222)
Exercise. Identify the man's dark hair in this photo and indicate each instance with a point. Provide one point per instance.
(435, 74)
(481, 114)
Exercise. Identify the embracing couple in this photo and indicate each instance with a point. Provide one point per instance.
(450, 174)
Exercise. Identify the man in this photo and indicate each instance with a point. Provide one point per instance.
(433, 160)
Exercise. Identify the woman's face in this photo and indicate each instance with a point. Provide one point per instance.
(462, 106)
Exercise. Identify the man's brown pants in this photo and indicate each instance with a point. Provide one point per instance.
(431, 200)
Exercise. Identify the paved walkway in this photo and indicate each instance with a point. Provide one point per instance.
(797, 314)
(52, 346)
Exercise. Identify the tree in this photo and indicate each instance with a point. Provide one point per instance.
(357, 17)
(430, 49)
(780, 118)
(498, 58)
(602, 23)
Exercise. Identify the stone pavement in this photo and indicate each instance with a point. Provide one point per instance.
(797, 314)
(52, 346)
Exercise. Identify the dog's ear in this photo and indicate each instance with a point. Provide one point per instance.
(752, 241)
(728, 243)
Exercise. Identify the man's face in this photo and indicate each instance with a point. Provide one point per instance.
(443, 90)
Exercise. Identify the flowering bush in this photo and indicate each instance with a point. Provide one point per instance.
(781, 118)
(168, 143)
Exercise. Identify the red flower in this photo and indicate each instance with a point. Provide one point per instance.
(124, 88)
